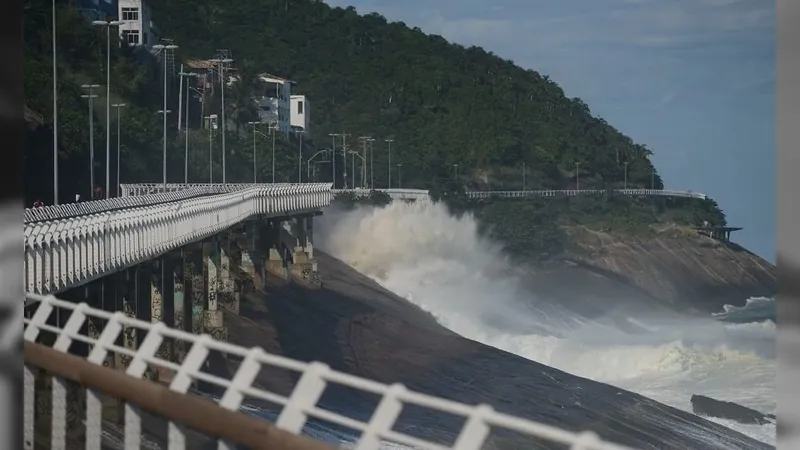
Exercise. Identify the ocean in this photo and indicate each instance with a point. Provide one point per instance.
(441, 264)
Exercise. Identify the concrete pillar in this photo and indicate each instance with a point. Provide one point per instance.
(275, 261)
(210, 264)
(225, 275)
(237, 276)
(179, 316)
(249, 251)
(304, 266)
(212, 316)
(194, 287)
(126, 298)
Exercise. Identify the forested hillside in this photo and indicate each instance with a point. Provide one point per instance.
(444, 104)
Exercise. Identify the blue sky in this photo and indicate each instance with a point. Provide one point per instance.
(692, 79)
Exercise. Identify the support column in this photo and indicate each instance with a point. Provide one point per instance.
(179, 318)
(226, 289)
(304, 267)
(126, 298)
(212, 318)
(275, 263)
(195, 287)
(156, 272)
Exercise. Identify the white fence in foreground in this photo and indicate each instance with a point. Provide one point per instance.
(297, 408)
(69, 251)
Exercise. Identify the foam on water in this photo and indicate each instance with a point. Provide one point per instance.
(440, 263)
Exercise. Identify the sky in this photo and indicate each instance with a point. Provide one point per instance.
(694, 80)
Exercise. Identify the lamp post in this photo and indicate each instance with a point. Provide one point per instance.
(389, 142)
(308, 163)
(222, 65)
(162, 47)
(455, 171)
(119, 107)
(524, 174)
(577, 176)
(333, 158)
(625, 182)
(273, 127)
(210, 149)
(300, 157)
(91, 95)
(186, 145)
(254, 124)
(107, 25)
(55, 112)
(371, 163)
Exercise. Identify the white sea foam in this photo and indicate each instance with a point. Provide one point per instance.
(440, 263)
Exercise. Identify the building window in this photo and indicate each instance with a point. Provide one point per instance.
(299, 107)
(131, 36)
(130, 14)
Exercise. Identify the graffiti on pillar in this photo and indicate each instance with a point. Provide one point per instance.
(156, 301)
(219, 333)
(198, 303)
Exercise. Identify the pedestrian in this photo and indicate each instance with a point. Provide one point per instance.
(77, 198)
(38, 203)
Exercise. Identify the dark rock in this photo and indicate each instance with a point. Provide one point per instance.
(707, 406)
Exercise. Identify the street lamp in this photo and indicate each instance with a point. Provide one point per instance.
(273, 127)
(254, 124)
(625, 183)
(165, 48)
(455, 171)
(524, 174)
(222, 63)
(107, 25)
(308, 164)
(55, 112)
(91, 95)
(300, 157)
(119, 107)
(333, 158)
(186, 147)
(577, 176)
(210, 148)
(371, 165)
(389, 141)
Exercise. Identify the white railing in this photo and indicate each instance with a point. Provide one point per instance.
(415, 194)
(66, 252)
(577, 192)
(395, 194)
(296, 409)
(141, 189)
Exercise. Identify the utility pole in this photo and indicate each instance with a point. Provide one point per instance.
(455, 171)
(400, 175)
(364, 140)
(274, 129)
(389, 142)
(344, 158)
(91, 95)
(254, 125)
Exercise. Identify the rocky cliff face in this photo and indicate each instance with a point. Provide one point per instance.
(676, 268)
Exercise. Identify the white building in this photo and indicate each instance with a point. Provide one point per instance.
(276, 104)
(138, 28)
(301, 113)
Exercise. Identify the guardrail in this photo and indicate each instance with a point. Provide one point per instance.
(143, 189)
(297, 409)
(577, 192)
(71, 251)
(409, 194)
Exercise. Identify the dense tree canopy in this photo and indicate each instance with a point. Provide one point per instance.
(461, 118)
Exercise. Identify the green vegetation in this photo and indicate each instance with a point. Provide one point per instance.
(461, 118)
